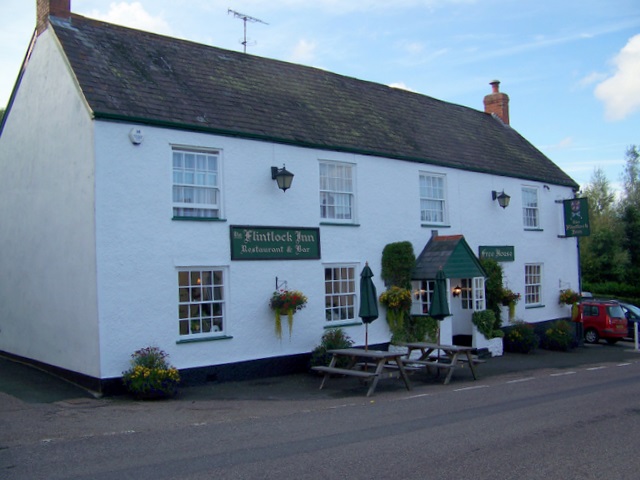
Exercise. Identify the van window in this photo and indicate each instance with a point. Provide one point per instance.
(591, 310)
(615, 311)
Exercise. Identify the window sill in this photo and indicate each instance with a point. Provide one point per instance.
(336, 224)
(434, 225)
(533, 306)
(533, 229)
(205, 339)
(198, 219)
(337, 324)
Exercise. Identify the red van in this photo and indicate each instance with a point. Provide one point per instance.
(603, 319)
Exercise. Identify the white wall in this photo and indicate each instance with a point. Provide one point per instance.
(140, 247)
(48, 303)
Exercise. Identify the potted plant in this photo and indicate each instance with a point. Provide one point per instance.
(151, 376)
(286, 302)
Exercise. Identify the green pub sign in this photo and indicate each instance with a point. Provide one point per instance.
(274, 243)
(576, 217)
(499, 254)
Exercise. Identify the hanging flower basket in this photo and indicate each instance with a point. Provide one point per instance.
(509, 297)
(286, 302)
(568, 297)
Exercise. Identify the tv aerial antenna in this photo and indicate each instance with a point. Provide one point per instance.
(245, 19)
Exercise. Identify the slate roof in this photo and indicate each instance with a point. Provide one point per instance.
(451, 253)
(136, 76)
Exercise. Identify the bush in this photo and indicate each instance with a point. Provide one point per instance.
(332, 339)
(421, 327)
(559, 336)
(485, 321)
(521, 338)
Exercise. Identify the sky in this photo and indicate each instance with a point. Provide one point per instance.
(570, 67)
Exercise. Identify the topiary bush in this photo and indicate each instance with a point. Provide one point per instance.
(398, 261)
(493, 287)
(521, 338)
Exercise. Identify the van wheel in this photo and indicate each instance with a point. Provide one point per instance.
(612, 341)
(591, 336)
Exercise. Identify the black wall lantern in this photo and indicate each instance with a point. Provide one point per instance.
(456, 291)
(283, 177)
(503, 198)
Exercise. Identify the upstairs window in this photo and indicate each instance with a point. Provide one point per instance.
(530, 210)
(337, 192)
(432, 198)
(196, 184)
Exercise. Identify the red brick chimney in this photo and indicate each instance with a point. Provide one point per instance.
(46, 8)
(497, 102)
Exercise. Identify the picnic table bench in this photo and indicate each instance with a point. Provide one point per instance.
(453, 357)
(383, 364)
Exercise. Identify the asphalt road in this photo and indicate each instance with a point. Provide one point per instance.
(574, 422)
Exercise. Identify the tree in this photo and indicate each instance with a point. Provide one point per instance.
(603, 257)
(630, 211)
(631, 177)
(598, 191)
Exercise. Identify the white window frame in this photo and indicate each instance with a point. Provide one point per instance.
(466, 293)
(202, 302)
(433, 198)
(337, 191)
(531, 207)
(340, 293)
(479, 300)
(533, 284)
(196, 183)
(422, 296)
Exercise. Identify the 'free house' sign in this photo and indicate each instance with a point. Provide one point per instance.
(274, 243)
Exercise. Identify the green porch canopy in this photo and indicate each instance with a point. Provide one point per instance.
(451, 253)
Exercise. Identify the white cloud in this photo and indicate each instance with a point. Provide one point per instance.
(133, 15)
(621, 92)
(402, 86)
(590, 79)
(304, 52)
(565, 143)
(414, 48)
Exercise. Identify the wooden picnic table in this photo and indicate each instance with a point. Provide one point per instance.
(377, 364)
(452, 357)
